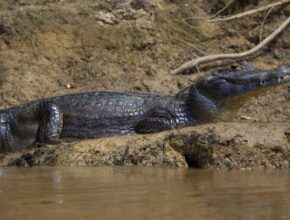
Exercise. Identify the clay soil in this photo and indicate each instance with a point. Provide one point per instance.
(57, 47)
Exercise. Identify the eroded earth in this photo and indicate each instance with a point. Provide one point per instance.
(50, 48)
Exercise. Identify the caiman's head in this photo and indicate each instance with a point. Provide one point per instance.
(229, 88)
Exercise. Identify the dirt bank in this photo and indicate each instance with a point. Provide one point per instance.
(223, 146)
(57, 47)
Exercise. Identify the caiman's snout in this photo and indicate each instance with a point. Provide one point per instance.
(274, 77)
(244, 81)
(282, 73)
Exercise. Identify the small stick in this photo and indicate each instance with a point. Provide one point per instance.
(263, 22)
(223, 9)
(206, 59)
(240, 15)
(246, 13)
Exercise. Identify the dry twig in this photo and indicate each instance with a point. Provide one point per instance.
(206, 59)
(263, 23)
(236, 16)
(224, 8)
(246, 13)
(211, 17)
(204, 18)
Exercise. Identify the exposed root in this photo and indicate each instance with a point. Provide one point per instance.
(246, 13)
(223, 9)
(206, 59)
(236, 16)
(263, 23)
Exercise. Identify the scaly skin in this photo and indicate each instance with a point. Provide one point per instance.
(88, 115)
(97, 114)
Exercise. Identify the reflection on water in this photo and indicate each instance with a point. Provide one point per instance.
(143, 193)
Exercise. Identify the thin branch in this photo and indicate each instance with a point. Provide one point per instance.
(223, 9)
(243, 14)
(246, 13)
(194, 46)
(204, 18)
(263, 23)
(206, 59)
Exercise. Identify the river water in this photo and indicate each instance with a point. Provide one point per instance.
(142, 193)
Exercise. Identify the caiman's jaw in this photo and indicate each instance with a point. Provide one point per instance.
(252, 78)
(239, 84)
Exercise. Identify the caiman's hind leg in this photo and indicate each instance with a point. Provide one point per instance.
(50, 125)
(160, 120)
(6, 137)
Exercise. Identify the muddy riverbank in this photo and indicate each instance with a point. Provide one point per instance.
(219, 146)
(56, 47)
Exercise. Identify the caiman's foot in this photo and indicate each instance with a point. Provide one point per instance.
(160, 120)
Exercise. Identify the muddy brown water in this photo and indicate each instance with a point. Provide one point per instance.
(143, 193)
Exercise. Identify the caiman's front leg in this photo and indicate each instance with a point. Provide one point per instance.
(160, 120)
(50, 125)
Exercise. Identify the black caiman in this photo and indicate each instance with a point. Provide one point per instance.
(95, 114)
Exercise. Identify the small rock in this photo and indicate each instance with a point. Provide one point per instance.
(227, 162)
(107, 18)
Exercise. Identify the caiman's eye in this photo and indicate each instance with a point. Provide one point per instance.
(235, 66)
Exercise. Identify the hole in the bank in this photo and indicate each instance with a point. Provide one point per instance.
(3, 29)
(192, 162)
